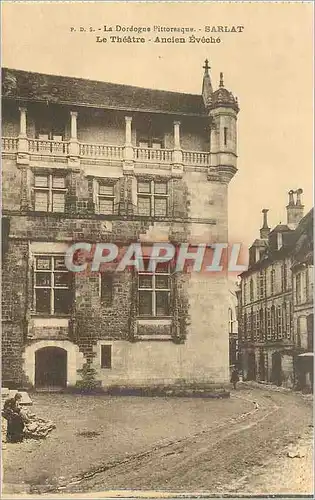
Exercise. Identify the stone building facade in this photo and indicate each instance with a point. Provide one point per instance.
(99, 162)
(233, 325)
(274, 290)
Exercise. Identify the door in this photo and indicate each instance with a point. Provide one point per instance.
(51, 367)
(251, 374)
(276, 373)
(262, 370)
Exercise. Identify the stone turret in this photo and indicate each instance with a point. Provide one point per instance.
(222, 108)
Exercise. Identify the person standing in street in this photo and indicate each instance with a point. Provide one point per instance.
(12, 413)
(234, 377)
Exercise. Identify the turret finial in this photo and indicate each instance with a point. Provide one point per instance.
(206, 84)
(206, 67)
(221, 80)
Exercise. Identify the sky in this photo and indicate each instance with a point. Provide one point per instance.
(268, 66)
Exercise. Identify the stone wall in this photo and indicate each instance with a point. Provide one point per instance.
(195, 345)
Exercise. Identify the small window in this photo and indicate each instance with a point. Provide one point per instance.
(154, 291)
(152, 198)
(298, 289)
(52, 286)
(106, 198)
(49, 193)
(107, 289)
(106, 356)
(150, 143)
(47, 132)
(225, 135)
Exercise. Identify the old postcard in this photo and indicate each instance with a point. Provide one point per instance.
(157, 249)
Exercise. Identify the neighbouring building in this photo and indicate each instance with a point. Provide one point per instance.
(275, 301)
(302, 266)
(101, 162)
(233, 325)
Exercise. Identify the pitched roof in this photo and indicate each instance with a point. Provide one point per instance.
(27, 85)
(260, 243)
(303, 240)
(280, 228)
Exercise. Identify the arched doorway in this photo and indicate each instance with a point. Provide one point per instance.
(276, 370)
(51, 367)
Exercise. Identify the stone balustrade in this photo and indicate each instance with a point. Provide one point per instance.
(104, 151)
(48, 147)
(101, 151)
(9, 144)
(157, 155)
(195, 158)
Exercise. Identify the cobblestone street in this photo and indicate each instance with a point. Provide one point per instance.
(180, 444)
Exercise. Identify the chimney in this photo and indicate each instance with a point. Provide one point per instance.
(265, 230)
(206, 84)
(294, 210)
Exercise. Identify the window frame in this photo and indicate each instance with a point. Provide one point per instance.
(107, 197)
(106, 302)
(283, 277)
(52, 286)
(102, 345)
(50, 190)
(272, 281)
(279, 322)
(251, 290)
(153, 291)
(152, 196)
(298, 288)
(269, 324)
(225, 136)
(149, 141)
(262, 284)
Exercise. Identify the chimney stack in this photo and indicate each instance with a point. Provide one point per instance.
(265, 230)
(294, 210)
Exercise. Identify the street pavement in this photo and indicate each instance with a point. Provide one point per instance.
(258, 441)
